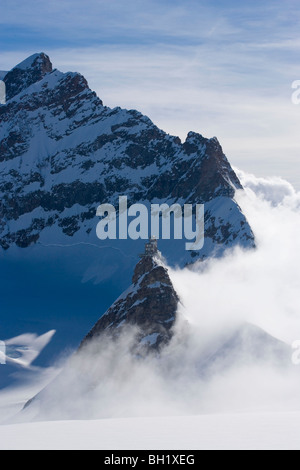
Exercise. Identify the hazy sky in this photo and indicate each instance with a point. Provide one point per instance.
(221, 68)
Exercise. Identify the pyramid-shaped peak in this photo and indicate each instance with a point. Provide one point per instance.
(150, 304)
(38, 61)
(30, 71)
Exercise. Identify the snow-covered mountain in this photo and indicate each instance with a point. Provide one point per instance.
(62, 153)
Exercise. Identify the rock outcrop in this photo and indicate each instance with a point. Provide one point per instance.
(150, 304)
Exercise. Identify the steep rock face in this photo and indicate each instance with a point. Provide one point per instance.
(150, 304)
(62, 153)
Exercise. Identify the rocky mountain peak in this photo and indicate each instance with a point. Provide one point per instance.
(31, 70)
(62, 153)
(150, 304)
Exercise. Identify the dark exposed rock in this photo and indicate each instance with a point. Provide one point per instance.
(150, 304)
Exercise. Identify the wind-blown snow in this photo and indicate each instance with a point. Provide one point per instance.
(24, 349)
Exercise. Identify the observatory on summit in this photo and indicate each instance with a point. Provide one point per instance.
(150, 248)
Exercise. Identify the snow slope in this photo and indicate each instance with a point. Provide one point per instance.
(256, 431)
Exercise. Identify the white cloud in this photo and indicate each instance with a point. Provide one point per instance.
(23, 350)
(272, 189)
(260, 286)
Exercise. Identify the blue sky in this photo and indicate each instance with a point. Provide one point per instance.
(217, 67)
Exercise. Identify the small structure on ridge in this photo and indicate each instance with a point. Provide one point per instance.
(150, 248)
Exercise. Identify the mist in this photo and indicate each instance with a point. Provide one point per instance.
(232, 344)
